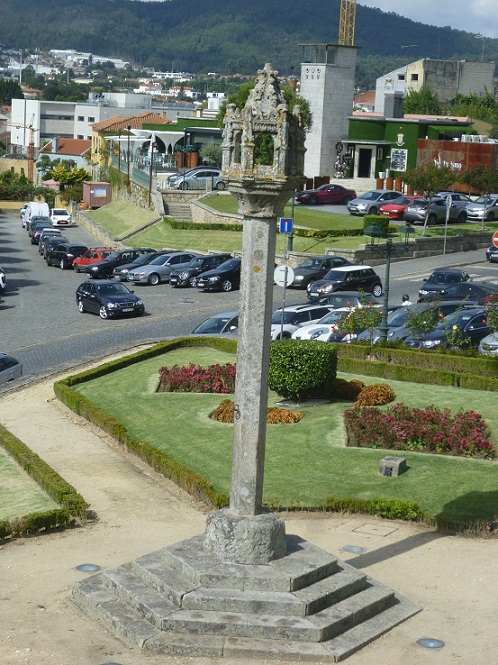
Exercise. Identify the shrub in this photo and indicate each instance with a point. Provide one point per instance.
(197, 379)
(302, 369)
(375, 395)
(429, 430)
(349, 390)
(274, 415)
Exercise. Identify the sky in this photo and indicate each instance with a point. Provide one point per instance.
(478, 16)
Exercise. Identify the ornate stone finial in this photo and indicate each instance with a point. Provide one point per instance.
(263, 148)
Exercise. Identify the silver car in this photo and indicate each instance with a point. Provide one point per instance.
(198, 179)
(489, 345)
(160, 268)
(475, 210)
(370, 202)
(10, 368)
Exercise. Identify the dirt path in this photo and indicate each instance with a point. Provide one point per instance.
(454, 579)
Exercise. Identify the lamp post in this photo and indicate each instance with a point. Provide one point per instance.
(128, 155)
(482, 38)
(150, 169)
(387, 250)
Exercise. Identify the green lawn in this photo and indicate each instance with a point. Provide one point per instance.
(19, 494)
(306, 462)
(120, 217)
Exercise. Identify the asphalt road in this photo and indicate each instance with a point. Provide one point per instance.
(40, 323)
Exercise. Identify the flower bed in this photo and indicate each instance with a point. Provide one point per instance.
(274, 415)
(197, 379)
(430, 430)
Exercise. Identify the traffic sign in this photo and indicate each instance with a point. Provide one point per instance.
(495, 238)
(285, 224)
(283, 276)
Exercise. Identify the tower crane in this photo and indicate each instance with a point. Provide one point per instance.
(347, 22)
(31, 144)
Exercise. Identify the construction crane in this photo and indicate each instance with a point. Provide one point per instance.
(31, 145)
(347, 22)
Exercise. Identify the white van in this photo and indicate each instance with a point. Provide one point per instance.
(35, 209)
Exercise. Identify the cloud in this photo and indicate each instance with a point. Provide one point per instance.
(477, 16)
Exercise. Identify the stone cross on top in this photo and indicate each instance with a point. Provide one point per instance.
(263, 160)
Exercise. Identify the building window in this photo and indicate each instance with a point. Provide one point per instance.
(414, 77)
(81, 118)
(91, 119)
(80, 136)
(401, 77)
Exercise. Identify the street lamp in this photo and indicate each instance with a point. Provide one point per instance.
(387, 250)
(128, 155)
(482, 38)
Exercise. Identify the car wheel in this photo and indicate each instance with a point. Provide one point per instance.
(313, 200)
(373, 211)
(432, 219)
(103, 313)
(191, 281)
(62, 264)
(76, 267)
(490, 216)
(462, 217)
(183, 185)
(377, 290)
(81, 307)
(105, 273)
(227, 285)
(284, 335)
(220, 185)
(154, 279)
(346, 200)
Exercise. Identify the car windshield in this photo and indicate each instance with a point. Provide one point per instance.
(491, 200)
(331, 317)
(311, 263)
(335, 275)
(400, 201)
(443, 278)
(230, 265)
(159, 260)
(196, 263)
(276, 319)
(458, 319)
(215, 324)
(114, 255)
(60, 211)
(371, 196)
(113, 289)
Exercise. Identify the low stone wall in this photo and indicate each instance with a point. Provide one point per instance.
(11, 205)
(102, 236)
(201, 213)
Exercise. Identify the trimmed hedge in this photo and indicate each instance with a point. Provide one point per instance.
(205, 226)
(73, 506)
(329, 233)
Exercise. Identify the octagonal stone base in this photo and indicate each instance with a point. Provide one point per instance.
(248, 540)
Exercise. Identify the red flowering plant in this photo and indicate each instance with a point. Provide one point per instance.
(197, 379)
(365, 317)
(492, 313)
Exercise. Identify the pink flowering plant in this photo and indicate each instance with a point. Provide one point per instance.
(429, 430)
(197, 379)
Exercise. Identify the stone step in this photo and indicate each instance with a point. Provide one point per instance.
(352, 611)
(246, 602)
(345, 582)
(152, 569)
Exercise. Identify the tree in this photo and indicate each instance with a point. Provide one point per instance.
(424, 101)
(429, 179)
(211, 152)
(9, 90)
(483, 179)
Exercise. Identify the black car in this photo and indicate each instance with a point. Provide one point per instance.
(64, 253)
(48, 233)
(479, 292)
(492, 254)
(359, 278)
(37, 219)
(104, 269)
(121, 272)
(187, 276)
(314, 268)
(441, 278)
(471, 325)
(36, 229)
(339, 299)
(108, 299)
(50, 243)
(223, 278)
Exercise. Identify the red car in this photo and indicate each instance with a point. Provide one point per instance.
(92, 255)
(326, 194)
(395, 209)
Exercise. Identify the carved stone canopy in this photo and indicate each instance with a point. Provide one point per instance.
(263, 149)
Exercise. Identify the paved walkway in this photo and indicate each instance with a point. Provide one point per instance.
(454, 579)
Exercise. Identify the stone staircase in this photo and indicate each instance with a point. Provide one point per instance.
(306, 606)
(180, 211)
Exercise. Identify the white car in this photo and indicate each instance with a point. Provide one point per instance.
(322, 329)
(60, 217)
(475, 210)
(489, 345)
(283, 324)
(22, 212)
(3, 281)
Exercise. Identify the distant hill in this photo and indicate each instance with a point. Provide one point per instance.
(228, 36)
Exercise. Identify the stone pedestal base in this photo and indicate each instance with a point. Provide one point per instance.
(248, 540)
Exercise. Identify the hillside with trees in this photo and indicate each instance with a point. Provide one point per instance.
(234, 37)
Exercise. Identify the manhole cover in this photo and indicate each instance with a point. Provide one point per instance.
(88, 567)
(430, 643)
(375, 529)
(354, 549)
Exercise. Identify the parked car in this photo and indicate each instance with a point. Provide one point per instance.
(64, 253)
(225, 277)
(50, 242)
(415, 213)
(121, 272)
(175, 176)
(285, 321)
(370, 202)
(339, 299)
(187, 276)
(108, 299)
(36, 228)
(492, 254)
(478, 292)
(321, 330)
(362, 278)
(22, 213)
(441, 278)
(314, 268)
(159, 269)
(395, 209)
(471, 324)
(60, 217)
(224, 323)
(10, 368)
(475, 209)
(92, 255)
(326, 194)
(103, 269)
(36, 209)
(488, 346)
(3, 281)
(198, 179)
(47, 233)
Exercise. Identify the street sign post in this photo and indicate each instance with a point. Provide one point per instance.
(283, 276)
(448, 209)
(286, 224)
